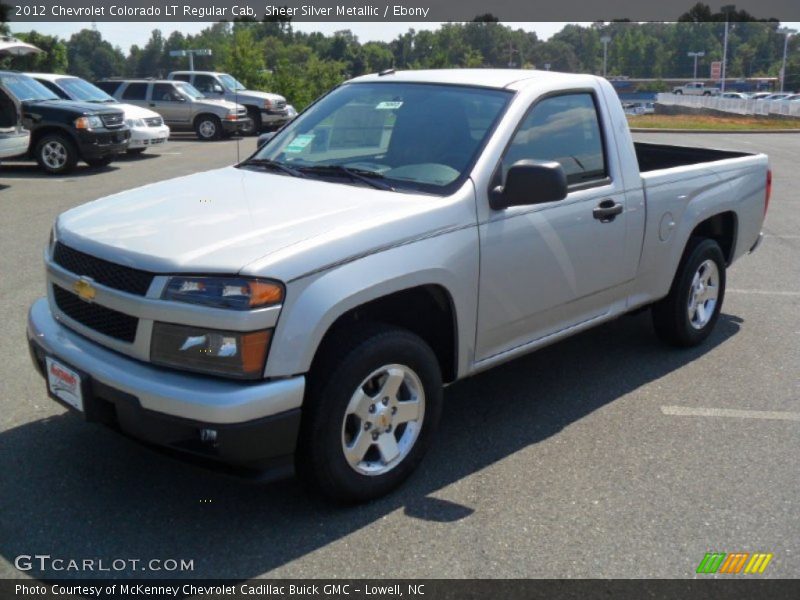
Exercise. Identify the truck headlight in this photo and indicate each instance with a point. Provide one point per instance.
(237, 293)
(212, 351)
(134, 123)
(88, 122)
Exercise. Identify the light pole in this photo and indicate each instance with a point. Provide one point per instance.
(605, 39)
(788, 33)
(695, 55)
(727, 10)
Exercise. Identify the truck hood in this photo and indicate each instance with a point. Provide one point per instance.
(234, 220)
(215, 103)
(256, 95)
(75, 106)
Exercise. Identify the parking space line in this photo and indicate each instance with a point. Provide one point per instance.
(688, 411)
(762, 292)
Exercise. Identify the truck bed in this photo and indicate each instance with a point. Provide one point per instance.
(653, 157)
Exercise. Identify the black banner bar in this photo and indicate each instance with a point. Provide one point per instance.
(379, 10)
(733, 588)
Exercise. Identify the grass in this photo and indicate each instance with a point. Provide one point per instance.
(732, 123)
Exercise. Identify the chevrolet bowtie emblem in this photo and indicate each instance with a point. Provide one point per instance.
(85, 290)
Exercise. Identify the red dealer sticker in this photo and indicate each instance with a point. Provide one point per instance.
(64, 383)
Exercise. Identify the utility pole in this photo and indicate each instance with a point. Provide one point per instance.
(695, 55)
(727, 10)
(605, 39)
(788, 33)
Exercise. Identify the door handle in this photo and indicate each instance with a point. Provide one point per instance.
(607, 211)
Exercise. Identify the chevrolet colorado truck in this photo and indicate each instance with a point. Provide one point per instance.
(303, 309)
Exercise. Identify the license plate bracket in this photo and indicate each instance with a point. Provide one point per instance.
(66, 385)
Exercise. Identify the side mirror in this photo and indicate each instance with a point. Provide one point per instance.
(217, 89)
(530, 182)
(265, 137)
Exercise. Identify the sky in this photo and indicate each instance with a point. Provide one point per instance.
(125, 35)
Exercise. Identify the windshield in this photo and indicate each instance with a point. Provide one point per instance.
(25, 88)
(415, 136)
(190, 90)
(78, 89)
(231, 83)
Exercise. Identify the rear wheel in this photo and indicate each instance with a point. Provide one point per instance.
(373, 405)
(208, 127)
(56, 154)
(688, 314)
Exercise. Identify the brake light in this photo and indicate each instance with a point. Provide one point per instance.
(769, 190)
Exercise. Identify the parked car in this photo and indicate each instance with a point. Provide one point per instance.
(181, 106)
(734, 95)
(760, 95)
(696, 89)
(14, 138)
(147, 127)
(305, 306)
(778, 96)
(266, 110)
(63, 131)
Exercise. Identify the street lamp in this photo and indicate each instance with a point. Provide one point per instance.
(695, 55)
(788, 33)
(605, 39)
(726, 10)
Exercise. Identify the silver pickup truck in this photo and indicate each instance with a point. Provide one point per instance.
(304, 307)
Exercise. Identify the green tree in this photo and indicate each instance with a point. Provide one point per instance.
(91, 57)
(245, 59)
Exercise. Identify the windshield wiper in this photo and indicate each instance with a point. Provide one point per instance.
(272, 164)
(371, 178)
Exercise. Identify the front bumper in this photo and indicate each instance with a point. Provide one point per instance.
(240, 124)
(98, 143)
(145, 137)
(253, 425)
(275, 117)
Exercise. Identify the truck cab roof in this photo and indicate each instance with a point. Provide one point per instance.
(487, 78)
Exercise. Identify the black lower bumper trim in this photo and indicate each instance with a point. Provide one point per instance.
(266, 443)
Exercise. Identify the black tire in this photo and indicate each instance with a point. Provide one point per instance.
(99, 162)
(671, 315)
(208, 128)
(678, 93)
(255, 118)
(56, 154)
(334, 379)
(135, 151)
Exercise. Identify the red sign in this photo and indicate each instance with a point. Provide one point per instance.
(716, 70)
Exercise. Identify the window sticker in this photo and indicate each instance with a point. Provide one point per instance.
(388, 105)
(299, 143)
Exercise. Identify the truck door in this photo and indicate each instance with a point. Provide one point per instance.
(547, 267)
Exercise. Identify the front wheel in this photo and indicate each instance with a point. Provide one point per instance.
(254, 128)
(56, 154)
(688, 314)
(208, 128)
(373, 405)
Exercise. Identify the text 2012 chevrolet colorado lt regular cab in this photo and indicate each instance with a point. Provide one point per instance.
(408, 230)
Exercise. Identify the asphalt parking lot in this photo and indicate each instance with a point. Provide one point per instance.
(607, 455)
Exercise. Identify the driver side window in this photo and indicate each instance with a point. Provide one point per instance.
(565, 129)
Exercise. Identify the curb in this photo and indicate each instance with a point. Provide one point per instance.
(729, 131)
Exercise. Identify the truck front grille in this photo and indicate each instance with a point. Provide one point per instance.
(280, 105)
(125, 279)
(114, 120)
(99, 318)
